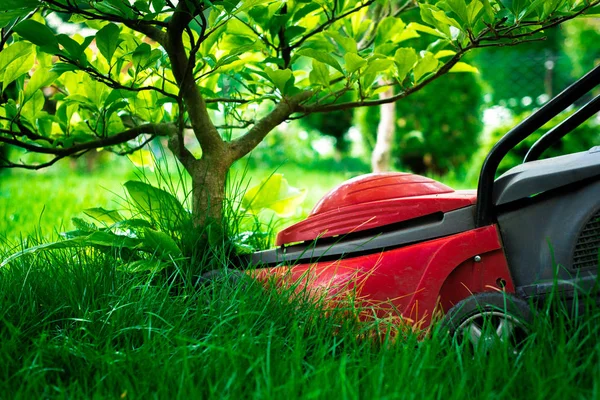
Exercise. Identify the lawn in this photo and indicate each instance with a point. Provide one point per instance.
(73, 324)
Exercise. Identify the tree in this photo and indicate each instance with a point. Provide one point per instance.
(164, 67)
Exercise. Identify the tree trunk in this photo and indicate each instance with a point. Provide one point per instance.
(380, 159)
(208, 191)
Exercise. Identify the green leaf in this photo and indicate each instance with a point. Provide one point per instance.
(405, 59)
(464, 67)
(34, 105)
(7, 17)
(354, 62)
(158, 5)
(387, 29)
(61, 68)
(444, 53)
(13, 52)
(321, 56)
(274, 193)
(160, 244)
(474, 10)
(96, 238)
(378, 66)
(107, 41)
(42, 77)
(9, 5)
(37, 34)
(108, 217)
(319, 74)
(346, 43)
(141, 55)
(17, 68)
(279, 77)
(459, 7)
(425, 65)
(415, 26)
(157, 204)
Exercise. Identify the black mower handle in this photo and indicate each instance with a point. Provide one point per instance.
(485, 208)
(558, 132)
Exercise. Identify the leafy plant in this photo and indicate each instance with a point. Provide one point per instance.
(156, 233)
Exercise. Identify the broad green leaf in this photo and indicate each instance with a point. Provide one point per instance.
(157, 204)
(160, 243)
(42, 77)
(459, 7)
(433, 16)
(489, 11)
(158, 5)
(354, 62)
(378, 66)
(107, 41)
(13, 52)
(346, 43)
(444, 53)
(474, 10)
(37, 34)
(142, 158)
(108, 217)
(279, 77)
(141, 55)
(319, 74)
(9, 5)
(33, 106)
(7, 17)
(61, 68)
(96, 238)
(387, 29)
(415, 26)
(405, 59)
(321, 56)
(425, 65)
(17, 68)
(464, 67)
(274, 193)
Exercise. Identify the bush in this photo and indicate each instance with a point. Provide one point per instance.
(437, 128)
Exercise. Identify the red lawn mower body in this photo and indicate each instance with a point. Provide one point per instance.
(406, 245)
(414, 279)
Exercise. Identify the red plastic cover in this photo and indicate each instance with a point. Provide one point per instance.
(374, 200)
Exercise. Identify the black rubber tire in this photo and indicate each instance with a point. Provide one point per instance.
(484, 305)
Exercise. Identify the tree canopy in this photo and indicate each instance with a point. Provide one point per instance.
(227, 71)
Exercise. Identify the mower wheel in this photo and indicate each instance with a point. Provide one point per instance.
(488, 319)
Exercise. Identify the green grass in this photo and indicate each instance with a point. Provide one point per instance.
(74, 325)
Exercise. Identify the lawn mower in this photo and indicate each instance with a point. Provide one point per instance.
(415, 247)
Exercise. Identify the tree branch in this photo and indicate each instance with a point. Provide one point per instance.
(243, 145)
(325, 25)
(148, 28)
(125, 136)
(205, 131)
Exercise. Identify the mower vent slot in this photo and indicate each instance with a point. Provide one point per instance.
(588, 245)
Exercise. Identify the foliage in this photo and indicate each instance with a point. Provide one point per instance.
(335, 124)
(581, 38)
(584, 137)
(437, 128)
(142, 70)
(158, 232)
